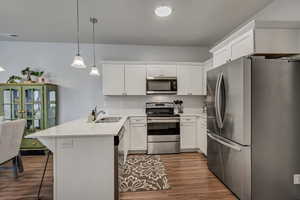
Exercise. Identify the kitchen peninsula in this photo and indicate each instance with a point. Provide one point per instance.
(83, 157)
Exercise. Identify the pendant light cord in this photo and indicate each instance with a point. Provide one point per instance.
(78, 46)
(94, 48)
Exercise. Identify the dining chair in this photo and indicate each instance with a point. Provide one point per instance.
(11, 134)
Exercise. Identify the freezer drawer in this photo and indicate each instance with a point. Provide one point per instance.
(231, 163)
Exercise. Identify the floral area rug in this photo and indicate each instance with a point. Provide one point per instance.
(143, 173)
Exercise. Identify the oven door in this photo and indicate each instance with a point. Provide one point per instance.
(161, 86)
(157, 126)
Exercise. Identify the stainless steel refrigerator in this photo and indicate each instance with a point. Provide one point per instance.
(253, 110)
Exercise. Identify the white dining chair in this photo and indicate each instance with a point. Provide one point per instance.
(11, 134)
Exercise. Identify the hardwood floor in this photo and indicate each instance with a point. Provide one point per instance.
(188, 176)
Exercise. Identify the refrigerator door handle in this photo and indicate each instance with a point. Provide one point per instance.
(217, 101)
(222, 101)
(232, 146)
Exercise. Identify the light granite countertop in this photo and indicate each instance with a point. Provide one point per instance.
(81, 127)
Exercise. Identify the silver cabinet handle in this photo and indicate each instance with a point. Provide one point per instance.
(190, 93)
(232, 146)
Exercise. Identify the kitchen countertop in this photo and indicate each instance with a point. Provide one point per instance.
(81, 128)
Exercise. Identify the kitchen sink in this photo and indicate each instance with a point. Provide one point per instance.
(109, 120)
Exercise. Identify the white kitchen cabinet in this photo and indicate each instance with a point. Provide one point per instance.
(138, 134)
(135, 79)
(221, 56)
(188, 131)
(113, 79)
(126, 139)
(207, 66)
(119, 79)
(190, 80)
(161, 71)
(242, 46)
(202, 135)
(260, 38)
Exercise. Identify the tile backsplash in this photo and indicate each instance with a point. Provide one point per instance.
(136, 104)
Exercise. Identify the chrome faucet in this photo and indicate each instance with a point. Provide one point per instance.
(96, 114)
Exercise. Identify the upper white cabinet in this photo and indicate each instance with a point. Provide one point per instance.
(161, 71)
(113, 79)
(120, 79)
(135, 79)
(242, 46)
(258, 38)
(190, 80)
(221, 56)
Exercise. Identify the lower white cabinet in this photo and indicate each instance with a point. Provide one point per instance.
(188, 131)
(126, 139)
(202, 135)
(138, 134)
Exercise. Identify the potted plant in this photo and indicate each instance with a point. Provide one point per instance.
(30, 75)
(14, 79)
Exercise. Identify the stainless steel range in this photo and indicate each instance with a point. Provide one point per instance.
(163, 128)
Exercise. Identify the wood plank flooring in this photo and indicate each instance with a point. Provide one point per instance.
(188, 176)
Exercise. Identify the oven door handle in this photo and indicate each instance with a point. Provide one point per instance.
(150, 121)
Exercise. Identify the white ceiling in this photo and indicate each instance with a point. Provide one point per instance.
(193, 22)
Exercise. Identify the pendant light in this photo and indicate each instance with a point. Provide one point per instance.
(2, 69)
(78, 61)
(94, 71)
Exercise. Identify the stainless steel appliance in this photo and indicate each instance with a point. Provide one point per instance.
(253, 127)
(118, 160)
(163, 128)
(161, 85)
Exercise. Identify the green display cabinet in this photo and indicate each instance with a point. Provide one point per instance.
(35, 102)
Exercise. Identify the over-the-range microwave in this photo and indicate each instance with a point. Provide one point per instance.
(161, 85)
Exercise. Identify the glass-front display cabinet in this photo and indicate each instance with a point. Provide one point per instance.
(35, 102)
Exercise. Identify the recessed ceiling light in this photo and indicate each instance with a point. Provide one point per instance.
(163, 11)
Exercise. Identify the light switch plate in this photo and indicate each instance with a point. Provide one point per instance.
(296, 179)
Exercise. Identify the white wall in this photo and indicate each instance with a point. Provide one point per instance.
(79, 92)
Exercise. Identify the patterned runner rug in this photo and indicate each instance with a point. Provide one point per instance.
(143, 173)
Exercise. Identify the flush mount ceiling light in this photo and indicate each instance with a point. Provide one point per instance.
(94, 71)
(78, 61)
(10, 35)
(163, 11)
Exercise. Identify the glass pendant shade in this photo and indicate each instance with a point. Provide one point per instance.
(2, 69)
(94, 71)
(78, 62)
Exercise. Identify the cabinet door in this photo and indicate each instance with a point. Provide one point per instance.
(33, 113)
(188, 135)
(242, 46)
(50, 106)
(113, 79)
(135, 79)
(221, 56)
(202, 136)
(138, 137)
(190, 80)
(161, 71)
(11, 103)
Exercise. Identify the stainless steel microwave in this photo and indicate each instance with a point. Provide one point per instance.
(161, 85)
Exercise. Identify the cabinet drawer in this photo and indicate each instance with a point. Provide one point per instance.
(187, 119)
(138, 120)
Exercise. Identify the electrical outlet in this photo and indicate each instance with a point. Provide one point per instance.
(296, 179)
